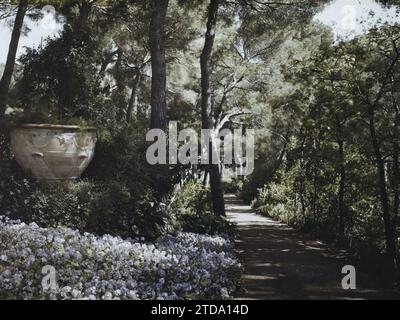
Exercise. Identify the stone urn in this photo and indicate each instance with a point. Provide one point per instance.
(53, 152)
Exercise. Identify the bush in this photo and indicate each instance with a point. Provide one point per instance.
(207, 223)
(291, 200)
(101, 208)
(193, 197)
(192, 212)
(230, 187)
(186, 266)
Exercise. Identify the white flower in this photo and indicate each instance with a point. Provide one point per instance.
(90, 267)
(66, 289)
(75, 293)
(107, 296)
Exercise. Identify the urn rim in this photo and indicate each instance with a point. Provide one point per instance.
(45, 126)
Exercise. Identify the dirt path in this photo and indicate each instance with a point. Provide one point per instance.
(281, 263)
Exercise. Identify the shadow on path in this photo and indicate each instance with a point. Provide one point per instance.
(281, 263)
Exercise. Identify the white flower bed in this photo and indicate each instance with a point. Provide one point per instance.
(187, 266)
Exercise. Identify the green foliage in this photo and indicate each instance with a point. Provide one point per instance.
(192, 212)
(343, 146)
(293, 201)
(230, 187)
(193, 197)
(101, 208)
(109, 208)
(60, 81)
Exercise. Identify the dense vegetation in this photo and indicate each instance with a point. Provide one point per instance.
(326, 114)
(101, 79)
(338, 172)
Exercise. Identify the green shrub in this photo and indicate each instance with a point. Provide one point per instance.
(101, 208)
(193, 197)
(192, 212)
(230, 187)
(291, 199)
(207, 223)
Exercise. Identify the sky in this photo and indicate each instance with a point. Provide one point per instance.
(347, 18)
(39, 30)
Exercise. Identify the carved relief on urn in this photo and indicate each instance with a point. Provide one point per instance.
(53, 152)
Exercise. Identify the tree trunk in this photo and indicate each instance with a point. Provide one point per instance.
(84, 13)
(132, 106)
(158, 99)
(108, 58)
(158, 64)
(396, 169)
(342, 183)
(206, 112)
(12, 53)
(302, 186)
(119, 78)
(396, 180)
(279, 161)
(315, 181)
(389, 230)
(205, 178)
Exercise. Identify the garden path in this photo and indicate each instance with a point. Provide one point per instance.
(282, 263)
